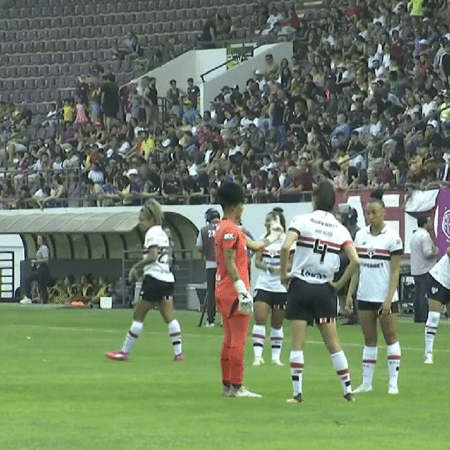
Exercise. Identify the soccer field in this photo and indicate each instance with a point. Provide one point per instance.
(59, 392)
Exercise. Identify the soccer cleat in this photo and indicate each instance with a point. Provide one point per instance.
(179, 357)
(277, 362)
(242, 392)
(118, 355)
(393, 390)
(26, 301)
(295, 399)
(209, 324)
(349, 397)
(428, 358)
(258, 362)
(362, 388)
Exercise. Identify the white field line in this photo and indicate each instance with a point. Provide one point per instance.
(6, 327)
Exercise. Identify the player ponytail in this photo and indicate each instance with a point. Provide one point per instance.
(278, 212)
(324, 196)
(154, 209)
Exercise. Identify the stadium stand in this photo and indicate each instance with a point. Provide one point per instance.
(364, 102)
(56, 40)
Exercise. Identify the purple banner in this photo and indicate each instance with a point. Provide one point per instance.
(442, 220)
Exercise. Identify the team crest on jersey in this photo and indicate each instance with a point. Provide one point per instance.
(434, 290)
(228, 237)
(370, 252)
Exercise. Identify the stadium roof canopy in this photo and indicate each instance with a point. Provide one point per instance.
(90, 233)
(51, 222)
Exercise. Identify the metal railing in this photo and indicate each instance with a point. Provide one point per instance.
(7, 279)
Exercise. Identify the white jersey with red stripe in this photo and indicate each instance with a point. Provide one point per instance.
(321, 239)
(441, 271)
(270, 258)
(375, 253)
(159, 269)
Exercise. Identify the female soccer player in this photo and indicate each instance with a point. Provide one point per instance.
(438, 295)
(233, 298)
(270, 294)
(311, 297)
(379, 248)
(158, 283)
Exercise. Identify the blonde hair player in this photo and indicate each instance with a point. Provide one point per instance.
(157, 285)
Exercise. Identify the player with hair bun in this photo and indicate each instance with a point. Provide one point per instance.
(270, 294)
(319, 238)
(158, 283)
(380, 250)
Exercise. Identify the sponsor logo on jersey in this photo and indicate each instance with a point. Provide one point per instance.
(228, 237)
(317, 275)
(372, 266)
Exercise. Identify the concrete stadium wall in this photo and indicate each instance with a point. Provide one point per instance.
(197, 62)
(242, 72)
(190, 64)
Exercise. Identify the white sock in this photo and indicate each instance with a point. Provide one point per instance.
(430, 330)
(258, 337)
(175, 336)
(341, 366)
(368, 364)
(296, 363)
(132, 335)
(393, 355)
(276, 337)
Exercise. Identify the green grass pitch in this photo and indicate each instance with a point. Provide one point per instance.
(58, 391)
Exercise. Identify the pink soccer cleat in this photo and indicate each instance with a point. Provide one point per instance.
(179, 357)
(118, 355)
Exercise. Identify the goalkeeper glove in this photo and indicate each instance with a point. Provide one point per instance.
(245, 299)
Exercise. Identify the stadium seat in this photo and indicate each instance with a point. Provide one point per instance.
(168, 27)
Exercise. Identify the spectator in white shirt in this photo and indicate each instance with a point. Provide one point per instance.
(376, 127)
(423, 257)
(96, 174)
(429, 105)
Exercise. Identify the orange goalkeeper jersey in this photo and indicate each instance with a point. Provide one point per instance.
(229, 235)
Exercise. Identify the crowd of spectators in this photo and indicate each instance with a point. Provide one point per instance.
(364, 102)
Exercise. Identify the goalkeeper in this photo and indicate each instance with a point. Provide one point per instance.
(233, 298)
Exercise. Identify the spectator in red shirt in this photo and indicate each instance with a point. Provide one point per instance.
(398, 50)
